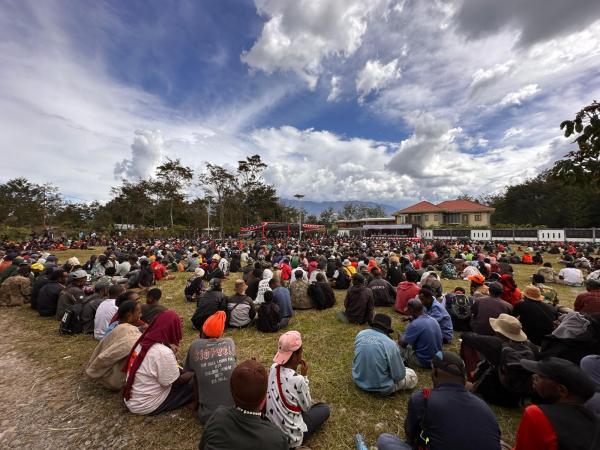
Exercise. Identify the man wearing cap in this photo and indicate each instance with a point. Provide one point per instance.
(289, 404)
(562, 421)
(244, 427)
(73, 293)
(509, 337)
(447, 416)
(211, 301)
(16, 290)
(536, 317)
(377, 365)
(422, 338)
(359, 303)
(212, 358)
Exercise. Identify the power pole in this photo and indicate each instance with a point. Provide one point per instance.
(300, 197)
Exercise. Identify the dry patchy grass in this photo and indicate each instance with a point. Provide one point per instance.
(328, 350)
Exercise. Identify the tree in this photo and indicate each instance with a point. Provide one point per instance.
(259, 199)
(174, 178)
(327, 216)
(220, 184)
(582, 165)
(28, 204)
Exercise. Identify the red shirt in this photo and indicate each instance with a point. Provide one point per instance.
(159, 270)
(404, 292)
(286, 272)
(535, 431)
(588, 302)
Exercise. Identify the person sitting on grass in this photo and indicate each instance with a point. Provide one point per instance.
(269, 316)
(562, 421)
(152, 307)
(154, 382)
(195, 286)
(590, 365)
(359, 303)
(212, 359)
(405, 291)
(548, 273)
(16, 290)
(106, 363)
(384, 294)
(289, 403)
(536, 317)
(377, 365)
(434, 309)
(589, 302)
(72, 294)
(282, 297)
(242, 311)
(570, 275)
(130, 313)
(422, 338)
(244, 426)
(299, 292)
(447, 416)
(211, 301)
(491, 381)
(106, 310)
(48, 296)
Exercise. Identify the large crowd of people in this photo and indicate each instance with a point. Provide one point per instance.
(518, 345)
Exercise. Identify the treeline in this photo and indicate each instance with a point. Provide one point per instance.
(548, 201)
(175, 199)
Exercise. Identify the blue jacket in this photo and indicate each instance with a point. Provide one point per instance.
(439, 313)
(425, 337)
(377, 363)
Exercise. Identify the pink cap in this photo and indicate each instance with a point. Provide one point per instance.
(288, 343)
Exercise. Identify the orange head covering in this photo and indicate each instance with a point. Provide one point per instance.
(214, 325)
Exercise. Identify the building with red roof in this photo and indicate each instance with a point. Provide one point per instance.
(450, 212)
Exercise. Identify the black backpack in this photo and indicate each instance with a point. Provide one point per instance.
(71, 322)
(513, 376)
(460, 306)
(343, 280)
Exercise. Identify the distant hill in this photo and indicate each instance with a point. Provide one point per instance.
(316, 207)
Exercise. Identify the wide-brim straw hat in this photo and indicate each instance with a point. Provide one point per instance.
(509, 327)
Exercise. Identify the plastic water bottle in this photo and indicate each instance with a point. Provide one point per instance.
(360, 442)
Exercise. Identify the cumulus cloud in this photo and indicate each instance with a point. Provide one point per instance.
(376, 75)
(535, 20)
(146, 152)
(518, 97)
(298, 34)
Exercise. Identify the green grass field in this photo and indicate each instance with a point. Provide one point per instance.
(328, 349)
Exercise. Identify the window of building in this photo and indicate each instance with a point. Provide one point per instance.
(477, 217)
(436, 217)
(426, 217)
(465, 218)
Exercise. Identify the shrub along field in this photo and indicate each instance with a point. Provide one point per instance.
(63, 408)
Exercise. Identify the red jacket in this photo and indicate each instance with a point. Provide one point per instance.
(404, 292)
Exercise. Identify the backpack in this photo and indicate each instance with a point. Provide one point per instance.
(460, 306)
(513, 377)
(71, 322)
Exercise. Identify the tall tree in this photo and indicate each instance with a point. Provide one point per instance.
(174, 179)
(220, 184)
(582, 165)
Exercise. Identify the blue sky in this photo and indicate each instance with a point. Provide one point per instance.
(382, 100)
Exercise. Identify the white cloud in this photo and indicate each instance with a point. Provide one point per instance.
(485, 77)
(146, 152)
(517, 98)
(299, 34)
(376, 75)
(512, 132)
(335, 89)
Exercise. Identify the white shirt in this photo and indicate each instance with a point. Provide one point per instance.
(153, 379)
(263, 286)
(304, 274)
(297, 393)
(571, 276)
(104, 313)
(123, 268)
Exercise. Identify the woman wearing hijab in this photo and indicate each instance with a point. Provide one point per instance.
(154, 381)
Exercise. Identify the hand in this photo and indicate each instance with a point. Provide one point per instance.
(174, 348)
(303, 367)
